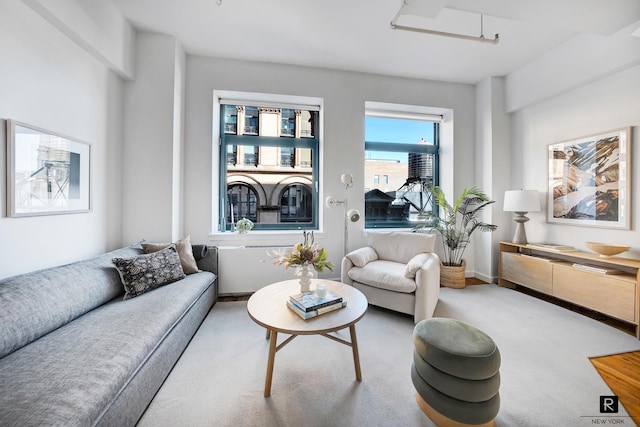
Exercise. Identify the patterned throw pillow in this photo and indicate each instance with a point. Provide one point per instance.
(144, 273)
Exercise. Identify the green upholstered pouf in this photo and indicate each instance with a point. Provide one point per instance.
(473, 413)
(458, 388)
(456, 348)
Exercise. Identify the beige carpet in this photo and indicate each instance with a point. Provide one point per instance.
(547, 379)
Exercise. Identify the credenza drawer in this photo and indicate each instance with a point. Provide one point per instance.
(532, 272)
(610, 294)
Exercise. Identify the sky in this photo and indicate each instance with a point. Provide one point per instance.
(379, 129)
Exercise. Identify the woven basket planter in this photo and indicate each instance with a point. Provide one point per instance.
(453, 277)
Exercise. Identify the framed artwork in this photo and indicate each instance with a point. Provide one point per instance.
(590, 180)
(47, 173)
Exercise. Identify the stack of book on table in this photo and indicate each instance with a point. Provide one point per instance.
(308, 304)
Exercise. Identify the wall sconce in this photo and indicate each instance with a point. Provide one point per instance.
(520, 202)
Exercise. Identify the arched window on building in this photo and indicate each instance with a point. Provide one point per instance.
(265, 143)
(243, 199)
(296, 204)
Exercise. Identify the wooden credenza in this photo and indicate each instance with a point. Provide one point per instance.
(553, 273)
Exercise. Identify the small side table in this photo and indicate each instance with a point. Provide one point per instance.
(267, 307)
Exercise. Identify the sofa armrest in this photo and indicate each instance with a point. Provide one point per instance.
(427, 288)
(344, 269)
(206, 257)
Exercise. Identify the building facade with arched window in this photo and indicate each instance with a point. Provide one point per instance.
(269, 166)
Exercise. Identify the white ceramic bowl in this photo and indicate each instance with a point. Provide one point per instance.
(605, 249)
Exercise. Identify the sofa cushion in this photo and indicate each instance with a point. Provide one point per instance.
(414, 265)
(144, 273)
(36, 303)
(382, 274)
(71, 375)
(185, 252)
(362, 256)
(401, 246)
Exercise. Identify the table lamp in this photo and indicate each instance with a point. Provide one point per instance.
(521, 202)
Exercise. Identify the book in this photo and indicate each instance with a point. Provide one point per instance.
(315, 313)
(597, 269)
(309, 301)
(551, 247)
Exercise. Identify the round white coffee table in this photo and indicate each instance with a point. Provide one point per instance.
(267, 307)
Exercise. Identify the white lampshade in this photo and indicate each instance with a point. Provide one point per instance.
(521, 201)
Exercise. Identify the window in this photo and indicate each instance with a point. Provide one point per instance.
(269, 164)
(403, 148)
(242, 202)
(296, 204)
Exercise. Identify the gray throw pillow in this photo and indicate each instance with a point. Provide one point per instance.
(144, 273)
(185, 252)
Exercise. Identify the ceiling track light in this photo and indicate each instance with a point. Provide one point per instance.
(480, 38)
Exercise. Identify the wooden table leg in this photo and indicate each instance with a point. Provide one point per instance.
(356, 355)
(270, 363)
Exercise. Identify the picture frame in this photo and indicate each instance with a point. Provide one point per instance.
(590, 180)
(47, 173)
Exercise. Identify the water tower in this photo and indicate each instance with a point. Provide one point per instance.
(415, 190)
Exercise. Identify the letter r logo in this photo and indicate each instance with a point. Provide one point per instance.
(608, 404)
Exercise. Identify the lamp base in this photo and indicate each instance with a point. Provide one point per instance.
(520, 236)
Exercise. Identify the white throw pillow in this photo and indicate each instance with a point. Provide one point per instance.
(363, 256)
(184, 249)
(414, 265)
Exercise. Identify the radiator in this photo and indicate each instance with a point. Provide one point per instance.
(241, 270)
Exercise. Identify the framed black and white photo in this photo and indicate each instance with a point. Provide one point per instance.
(589, 180)
(47, 173)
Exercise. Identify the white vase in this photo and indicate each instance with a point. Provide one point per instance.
(304, 274)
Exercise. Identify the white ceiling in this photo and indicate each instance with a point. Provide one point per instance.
(356, 35)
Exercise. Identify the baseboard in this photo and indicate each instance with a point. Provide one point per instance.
(484, 278)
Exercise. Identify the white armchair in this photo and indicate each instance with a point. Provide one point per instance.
(398, 271)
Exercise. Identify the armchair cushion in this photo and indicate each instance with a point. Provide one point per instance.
(414, 265)
(401, 246)
(363, 256)
(382, 274)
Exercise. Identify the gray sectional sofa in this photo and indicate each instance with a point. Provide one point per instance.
(74, 353)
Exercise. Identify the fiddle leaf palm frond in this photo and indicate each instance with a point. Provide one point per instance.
(458, 222)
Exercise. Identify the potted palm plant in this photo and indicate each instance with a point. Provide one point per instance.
(456, 225)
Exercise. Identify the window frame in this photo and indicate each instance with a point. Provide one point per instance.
(285, 141)
(433, 149)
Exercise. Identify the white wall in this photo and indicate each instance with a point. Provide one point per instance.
(607, 104)
(49, 81)
(153, 141)
(493, 172)
(95, 25)
(581, 60)
(344, 95)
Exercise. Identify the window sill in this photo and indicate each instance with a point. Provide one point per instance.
(261, 238)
